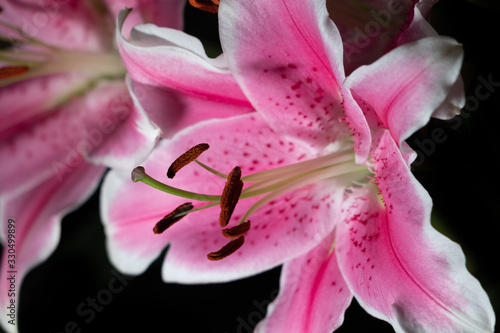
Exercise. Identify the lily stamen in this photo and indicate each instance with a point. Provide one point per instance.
(329, 159)
(186, 158)
(270, 182)
(209, 169)
(230, 196)
(237, 230)
(269, 185)
(227, 249)
(170, 219)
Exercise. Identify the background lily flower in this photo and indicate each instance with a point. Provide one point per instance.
(294, 78)
(66, 116)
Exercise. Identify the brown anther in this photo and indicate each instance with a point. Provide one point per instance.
(8, 72)
(206, 5)
(236, 231)
(227, 249)
(186, 158)
(230, 196)
(169, 220)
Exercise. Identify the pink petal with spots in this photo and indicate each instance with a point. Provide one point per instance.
(408, 85)
(175, 81)
(71, 24)
(289, 226)
(369, 29)
(397, 265)
(367, 129)
(287, 56)
(358, 125)
(37, 212)
(166, 13)
(313, 294)
(286, 227)
(362, 123)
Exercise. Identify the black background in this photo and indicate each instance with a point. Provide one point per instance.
(461, 174)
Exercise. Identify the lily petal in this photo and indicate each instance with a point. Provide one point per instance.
(70, 24)
(287, 56)
(37, 213)
(313, 294)
(83, 127)
(454, 102)
(425, 6)
(419, 29)
(167, 13)
(398, 266)
(175, 81)
(358, 121)
(19, 111)
(126, 132)
(288, 226)
(408, 85)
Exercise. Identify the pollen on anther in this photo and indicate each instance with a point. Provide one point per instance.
(186, 158)
(168, 220)
(227, 249)
(230, 196)
(237, 230)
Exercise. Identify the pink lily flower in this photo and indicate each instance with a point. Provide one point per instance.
(66, 116)
(327, 186)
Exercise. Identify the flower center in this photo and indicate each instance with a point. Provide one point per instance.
(268, 185)
(28, 57)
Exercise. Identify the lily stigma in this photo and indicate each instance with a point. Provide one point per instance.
(27, 57)
(270, 184)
